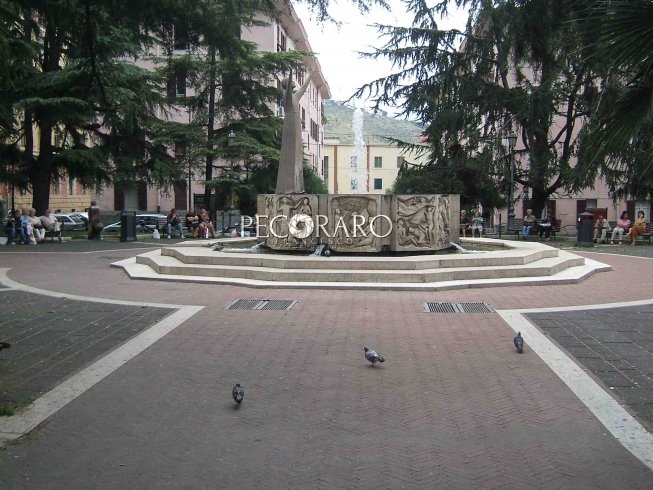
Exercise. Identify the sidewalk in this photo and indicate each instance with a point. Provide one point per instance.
(453, 407)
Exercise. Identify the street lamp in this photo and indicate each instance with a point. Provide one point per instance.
(511, 141)
(190, 165)
(231, 140)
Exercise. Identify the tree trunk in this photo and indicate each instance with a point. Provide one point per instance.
(41, 170)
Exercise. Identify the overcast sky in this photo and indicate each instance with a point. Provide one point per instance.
(337, 48)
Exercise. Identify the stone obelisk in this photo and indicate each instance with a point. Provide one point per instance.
(290, 179)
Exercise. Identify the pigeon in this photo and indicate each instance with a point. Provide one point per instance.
(238, 393)
(4, 345)
(326, 252)
(519, 342)
(218, 247)
(372, 356)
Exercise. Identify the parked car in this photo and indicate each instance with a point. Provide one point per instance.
(145, 223)
(70, 222)
(81, 215)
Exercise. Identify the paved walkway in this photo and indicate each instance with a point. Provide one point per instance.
(453, 407)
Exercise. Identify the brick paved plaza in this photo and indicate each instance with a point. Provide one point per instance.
(452, 407)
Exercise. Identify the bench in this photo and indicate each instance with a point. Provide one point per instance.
(51, 233)
(645, 237)
(555, 226)
(464, 229)
(515, 226)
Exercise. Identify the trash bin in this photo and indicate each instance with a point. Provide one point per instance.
(128, 226)
(584, 229)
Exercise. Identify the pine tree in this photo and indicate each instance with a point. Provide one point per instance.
(516, 67)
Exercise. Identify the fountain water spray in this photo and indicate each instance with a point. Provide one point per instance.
(358, 172)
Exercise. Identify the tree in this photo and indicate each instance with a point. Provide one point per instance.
(516, 67)
(459, 174)
(83, 108)
(619, 133)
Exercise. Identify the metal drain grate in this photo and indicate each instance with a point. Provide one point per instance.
(457, 308)
(261, 304)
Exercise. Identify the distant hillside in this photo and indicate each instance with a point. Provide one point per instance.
(376, 127)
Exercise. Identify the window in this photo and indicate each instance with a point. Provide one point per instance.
(181, 39)
(180, 151)
(280, 99)
(71, 187)
(303, 118)
(400, 161)
(378, 162)
(354, 184)
(378, 184)
(325, 167)
(177, 84)
(281, 39)
(315, 131)
(58, 139)
(57, 185)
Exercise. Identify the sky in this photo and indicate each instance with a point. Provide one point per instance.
(337, 48)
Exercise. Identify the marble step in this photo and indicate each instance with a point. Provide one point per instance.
(171, 266)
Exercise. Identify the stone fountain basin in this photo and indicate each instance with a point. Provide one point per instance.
(509, 262)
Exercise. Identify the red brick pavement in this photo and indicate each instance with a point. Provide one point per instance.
(453, 407)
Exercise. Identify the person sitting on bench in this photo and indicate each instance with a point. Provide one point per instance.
(529, 223)
(601, 229)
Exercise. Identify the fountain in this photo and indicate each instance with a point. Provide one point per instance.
(362, 228)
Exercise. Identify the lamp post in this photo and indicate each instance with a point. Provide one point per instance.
(190, 166)
(511, 140)
(231, 140)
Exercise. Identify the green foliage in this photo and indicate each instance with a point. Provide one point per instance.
(619, 133)
(459, 174)
(517, 67)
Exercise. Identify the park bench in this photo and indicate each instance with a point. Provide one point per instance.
(515, 226)
(644, 237)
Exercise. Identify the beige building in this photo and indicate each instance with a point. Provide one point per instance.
(358, 158)
(377, 169)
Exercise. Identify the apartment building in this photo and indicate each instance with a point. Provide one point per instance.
(287, 33)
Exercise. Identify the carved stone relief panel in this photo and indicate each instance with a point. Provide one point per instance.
(354, 223)
(422, 222)
(288, 221)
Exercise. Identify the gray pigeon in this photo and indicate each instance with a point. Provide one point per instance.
(372, 356)
(238, 393)
(218, 247)
(4, 345)
(519, 342)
